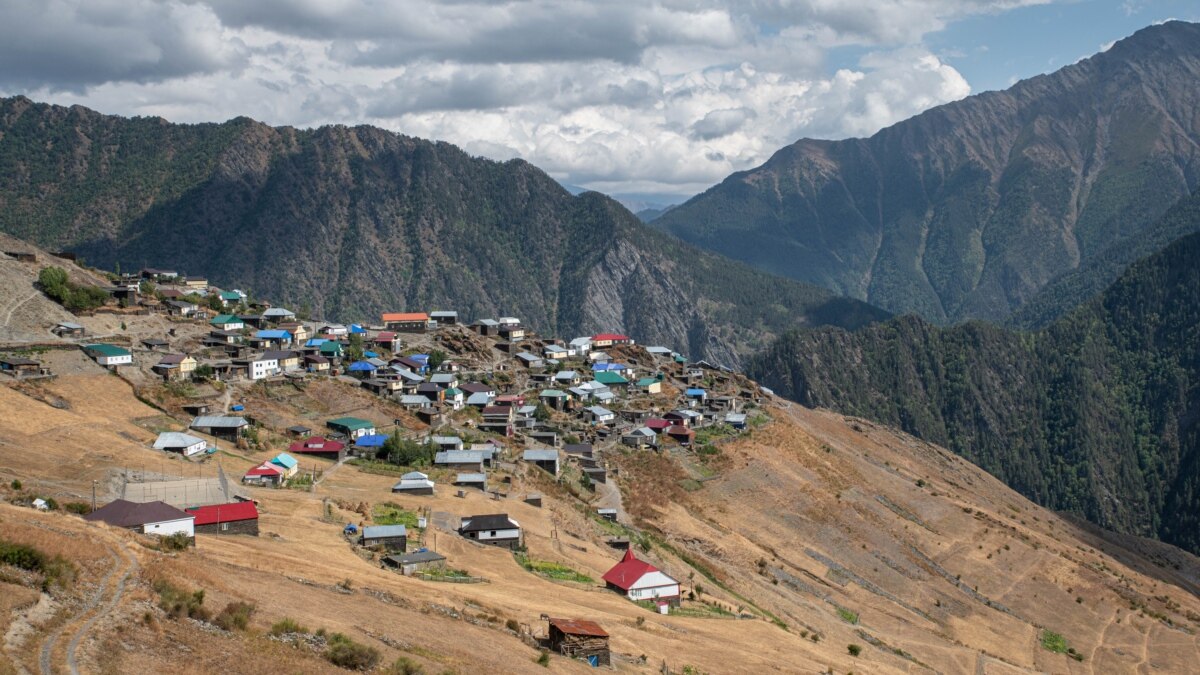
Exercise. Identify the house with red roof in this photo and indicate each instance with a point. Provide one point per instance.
(658, 424)
(638, 580)
(388, 340)
(609, 339)
(235, 518)
(321, 447)
(264, 474)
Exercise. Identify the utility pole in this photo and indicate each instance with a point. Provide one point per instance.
(93, 495)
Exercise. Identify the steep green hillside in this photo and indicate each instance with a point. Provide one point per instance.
(1096, 414)
(350, 222)
(972, 208)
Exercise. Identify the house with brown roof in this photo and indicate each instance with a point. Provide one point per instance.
(147, 517)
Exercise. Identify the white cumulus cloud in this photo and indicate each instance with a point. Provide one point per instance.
(641, 96)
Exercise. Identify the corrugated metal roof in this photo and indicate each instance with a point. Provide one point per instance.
(540, 455)
(384, 531)
(578, 627)
(218, 422)
(175, 439)
(471, 478)
(458, 457)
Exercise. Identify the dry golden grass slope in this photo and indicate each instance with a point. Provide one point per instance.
(815, 525)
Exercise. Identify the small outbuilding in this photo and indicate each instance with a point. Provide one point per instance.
(391, 537)
(414, 483)
(410, 563)
(543, 458)
(579, 639)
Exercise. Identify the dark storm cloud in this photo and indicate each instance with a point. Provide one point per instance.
(71, 44)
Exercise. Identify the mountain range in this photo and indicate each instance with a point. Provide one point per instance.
(350, 222)
(1027, 200)
(1095, 414)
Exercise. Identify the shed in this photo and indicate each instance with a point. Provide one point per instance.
(460, 459)
(220, 426)
(391, 537)
(414, 483)
(579, 639)
(544, 458)
(475, 480)
(416, 561)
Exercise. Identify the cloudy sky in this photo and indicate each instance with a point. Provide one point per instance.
(632, 97)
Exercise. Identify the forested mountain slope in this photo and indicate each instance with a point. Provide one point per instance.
(350, 222)
(1097, 413)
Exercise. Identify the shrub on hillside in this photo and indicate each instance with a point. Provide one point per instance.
(346, 653)
(179, 603)
(174, 542)
(287, 625)
(235, 616)
(55, 570)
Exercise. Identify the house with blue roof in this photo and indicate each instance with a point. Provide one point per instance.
(286, 462)
(696, 395)
(361, 368)
(371, 441)
(274, 338)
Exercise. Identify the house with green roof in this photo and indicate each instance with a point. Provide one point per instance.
(227, 322)
(455, 397)
(650, 385)
(108, 355)
(331, 349)
(554, 398)
(610, 379)
(352, 427)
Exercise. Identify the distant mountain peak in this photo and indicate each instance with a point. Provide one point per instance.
(972, 208)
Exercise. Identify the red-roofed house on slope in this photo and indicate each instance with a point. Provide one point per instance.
(235, 518)
(639, 580)
(320, 446)
(609, 339)
(264, 474)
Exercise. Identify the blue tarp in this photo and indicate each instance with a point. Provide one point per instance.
(371, 441)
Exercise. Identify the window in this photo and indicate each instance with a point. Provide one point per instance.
(224, 526)
(492, 533)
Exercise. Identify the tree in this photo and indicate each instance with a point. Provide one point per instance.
(404, 451)
(542, 413)
(214, 302)
(436, 358)
(354, 352)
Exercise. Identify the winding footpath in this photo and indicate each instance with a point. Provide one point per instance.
(79, 627)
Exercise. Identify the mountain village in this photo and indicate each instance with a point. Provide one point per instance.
(489, 413)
